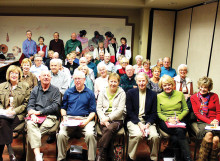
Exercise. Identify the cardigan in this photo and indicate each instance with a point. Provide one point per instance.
(132, 106)
(178, 85)
(213, 108)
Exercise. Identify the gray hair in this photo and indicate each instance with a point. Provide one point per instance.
(129, 66)
(160, 60)
(107, 54)
(56, 53)
(37, 56)
(101, 65)
(79, 73)
(45, 71)
(60, 62)
(54, 61)
(141, 74)
(139, 57)
(182, 66)
(83, 59)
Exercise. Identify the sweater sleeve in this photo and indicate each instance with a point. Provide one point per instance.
(184, 108)
(159, 111)
(217, 108)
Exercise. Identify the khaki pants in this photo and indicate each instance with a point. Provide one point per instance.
(135, 135)
(90, 139)
(35, 132)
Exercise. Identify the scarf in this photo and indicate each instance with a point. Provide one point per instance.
(204, 103)
(122, 49)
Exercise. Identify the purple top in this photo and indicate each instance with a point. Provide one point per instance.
(149, 73)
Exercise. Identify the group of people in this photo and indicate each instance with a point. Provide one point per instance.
(107, 94)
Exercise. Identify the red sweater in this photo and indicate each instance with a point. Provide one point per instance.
(213, 108)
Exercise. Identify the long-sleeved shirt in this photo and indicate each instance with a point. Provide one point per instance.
(127, 83)
(100, 84)
(71, 45)
(168, 104)
(29, 48)
(109, 66)
(60, 81)
(58, 46)
(79, 103)
(37, 70)
(171, 72)
(31, 79)
(92, 66)
(47, 102)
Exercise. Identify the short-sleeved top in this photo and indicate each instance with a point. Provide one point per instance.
(171, 72)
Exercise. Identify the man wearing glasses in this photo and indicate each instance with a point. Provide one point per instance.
(78, 102)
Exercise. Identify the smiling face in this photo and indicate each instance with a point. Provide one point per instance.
(139, 61)
(146, 66)
(82, 62)
(41, 41)
(123, 42)
(166, 62)
(141, 82)
(101, 55)
(107, 58)
(14, 76)
(167, 87)
(88, 57)
(79, 82)
(103, 72)
(29, 34)
(183, 72)
(113, 84)
(38, 61)
(203, 89)
(129, 71)
(54, 67)
(84, 69)
(73, 36)
(156, 73)
(56, 36)
(26, 67)
(45, 77)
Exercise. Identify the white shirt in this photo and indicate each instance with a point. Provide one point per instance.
(37, 70)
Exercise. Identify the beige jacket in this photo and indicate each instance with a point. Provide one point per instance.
(118, 105)
(21, 96)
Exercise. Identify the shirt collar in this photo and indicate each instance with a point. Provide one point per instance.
(49, 89)
(8, 84)
(84, 90)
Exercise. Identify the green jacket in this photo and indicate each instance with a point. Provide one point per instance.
(127, 83)
(71, 46)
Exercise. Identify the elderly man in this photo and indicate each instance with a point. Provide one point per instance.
(29, 47)
(58, 78)
(166, 69)
(83, 61)
(159, 63)
(101, 58)
(90, 64)
(44, 101)
(78, 101)
(127, 81)
(38, 66)
(72, 45)
(141, 105)
(57, 46)
(110, 66)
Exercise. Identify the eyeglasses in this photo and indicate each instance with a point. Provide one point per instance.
(38, 60)
(77, 79)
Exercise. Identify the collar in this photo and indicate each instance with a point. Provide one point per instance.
(29, 40)
(19, 85)
(84, 90)
(28, 75)
(131, 77)
(49, 89)
(55, 74)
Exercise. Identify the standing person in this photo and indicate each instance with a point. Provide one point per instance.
(98, 50)
(171, 108)
(110, 108)
(14, 97)
(206, 107)
(113, 48)
(44, 101)
(141, 105)
(166, 69)
(108, 38)
(124, 49)
(29, 46)
(57, 45)
(42, 47)
(84, 41)
(78, 101)
(73, 45)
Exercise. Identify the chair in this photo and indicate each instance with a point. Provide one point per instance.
(119, 143)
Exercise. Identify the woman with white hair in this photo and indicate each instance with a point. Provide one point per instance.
(101, 82)
(83, 61)
(182, 82)
(137, 67)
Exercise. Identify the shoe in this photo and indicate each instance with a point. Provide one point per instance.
(129, 159)
(12, 157)
(51, 139)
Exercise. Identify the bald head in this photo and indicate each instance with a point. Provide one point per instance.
(45, 77)
(73, 36)
(166, 62)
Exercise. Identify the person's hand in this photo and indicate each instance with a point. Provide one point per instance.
(142, 128)
(65, 118)
(10, 111)
(172, 120)
(215, 122)
(84, 123)
(31, 112)
(34, 118)
(134, 86)
(37, 113)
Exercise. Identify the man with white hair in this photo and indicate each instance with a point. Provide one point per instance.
(159, 63)
(78, 101)
(83, 61)
(64, 70)
(110, 66)
(166, 69)
(90, 64)
(127, 81)
(73, 45)
(44, 101)
(58, 78)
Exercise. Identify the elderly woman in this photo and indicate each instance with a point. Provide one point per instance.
(110, 107)
(171, 108)
(146, 68)
(83, 61)
(124, 49)
(182, 82)
(206, 107)
(101, 82)
(153, 82)
(14, 97)
(124, 62)
(71, 65)
(88, 82)
(28, 77)
(137, 67)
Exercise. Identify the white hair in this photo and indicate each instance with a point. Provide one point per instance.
(83, 59)
(101, 65)
(139, 57)
(45, 71)
(54, 61)
(78, 73)
(107, 54)
(37, 56)
(160, 60)
(143, 74)
(56, 53)
(182, 66)
(129, 66)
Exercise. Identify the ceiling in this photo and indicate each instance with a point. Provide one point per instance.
(163, 4)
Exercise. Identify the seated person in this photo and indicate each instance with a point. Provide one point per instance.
(166, 69)
(88, 82)
(146, 68)
(83, 61)
(128, 80)
(28, 77)
(47, 61)
(14, 97)
(101, 82)
(38, 67)
(110, 108)
(75, 59)
(141, 104)
(153, 82)
(124, 62)
(101, 58)
(182, 82)
(206, 107)
(90, 64)
(78, 101)
(44, 101)
(64, 70)
(171, 108)
(110, 66)
(71, 65)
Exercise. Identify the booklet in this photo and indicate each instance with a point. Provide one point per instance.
(212, 127)
(178, 125)
(3, 114)
(41, 119)
(73, 121)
